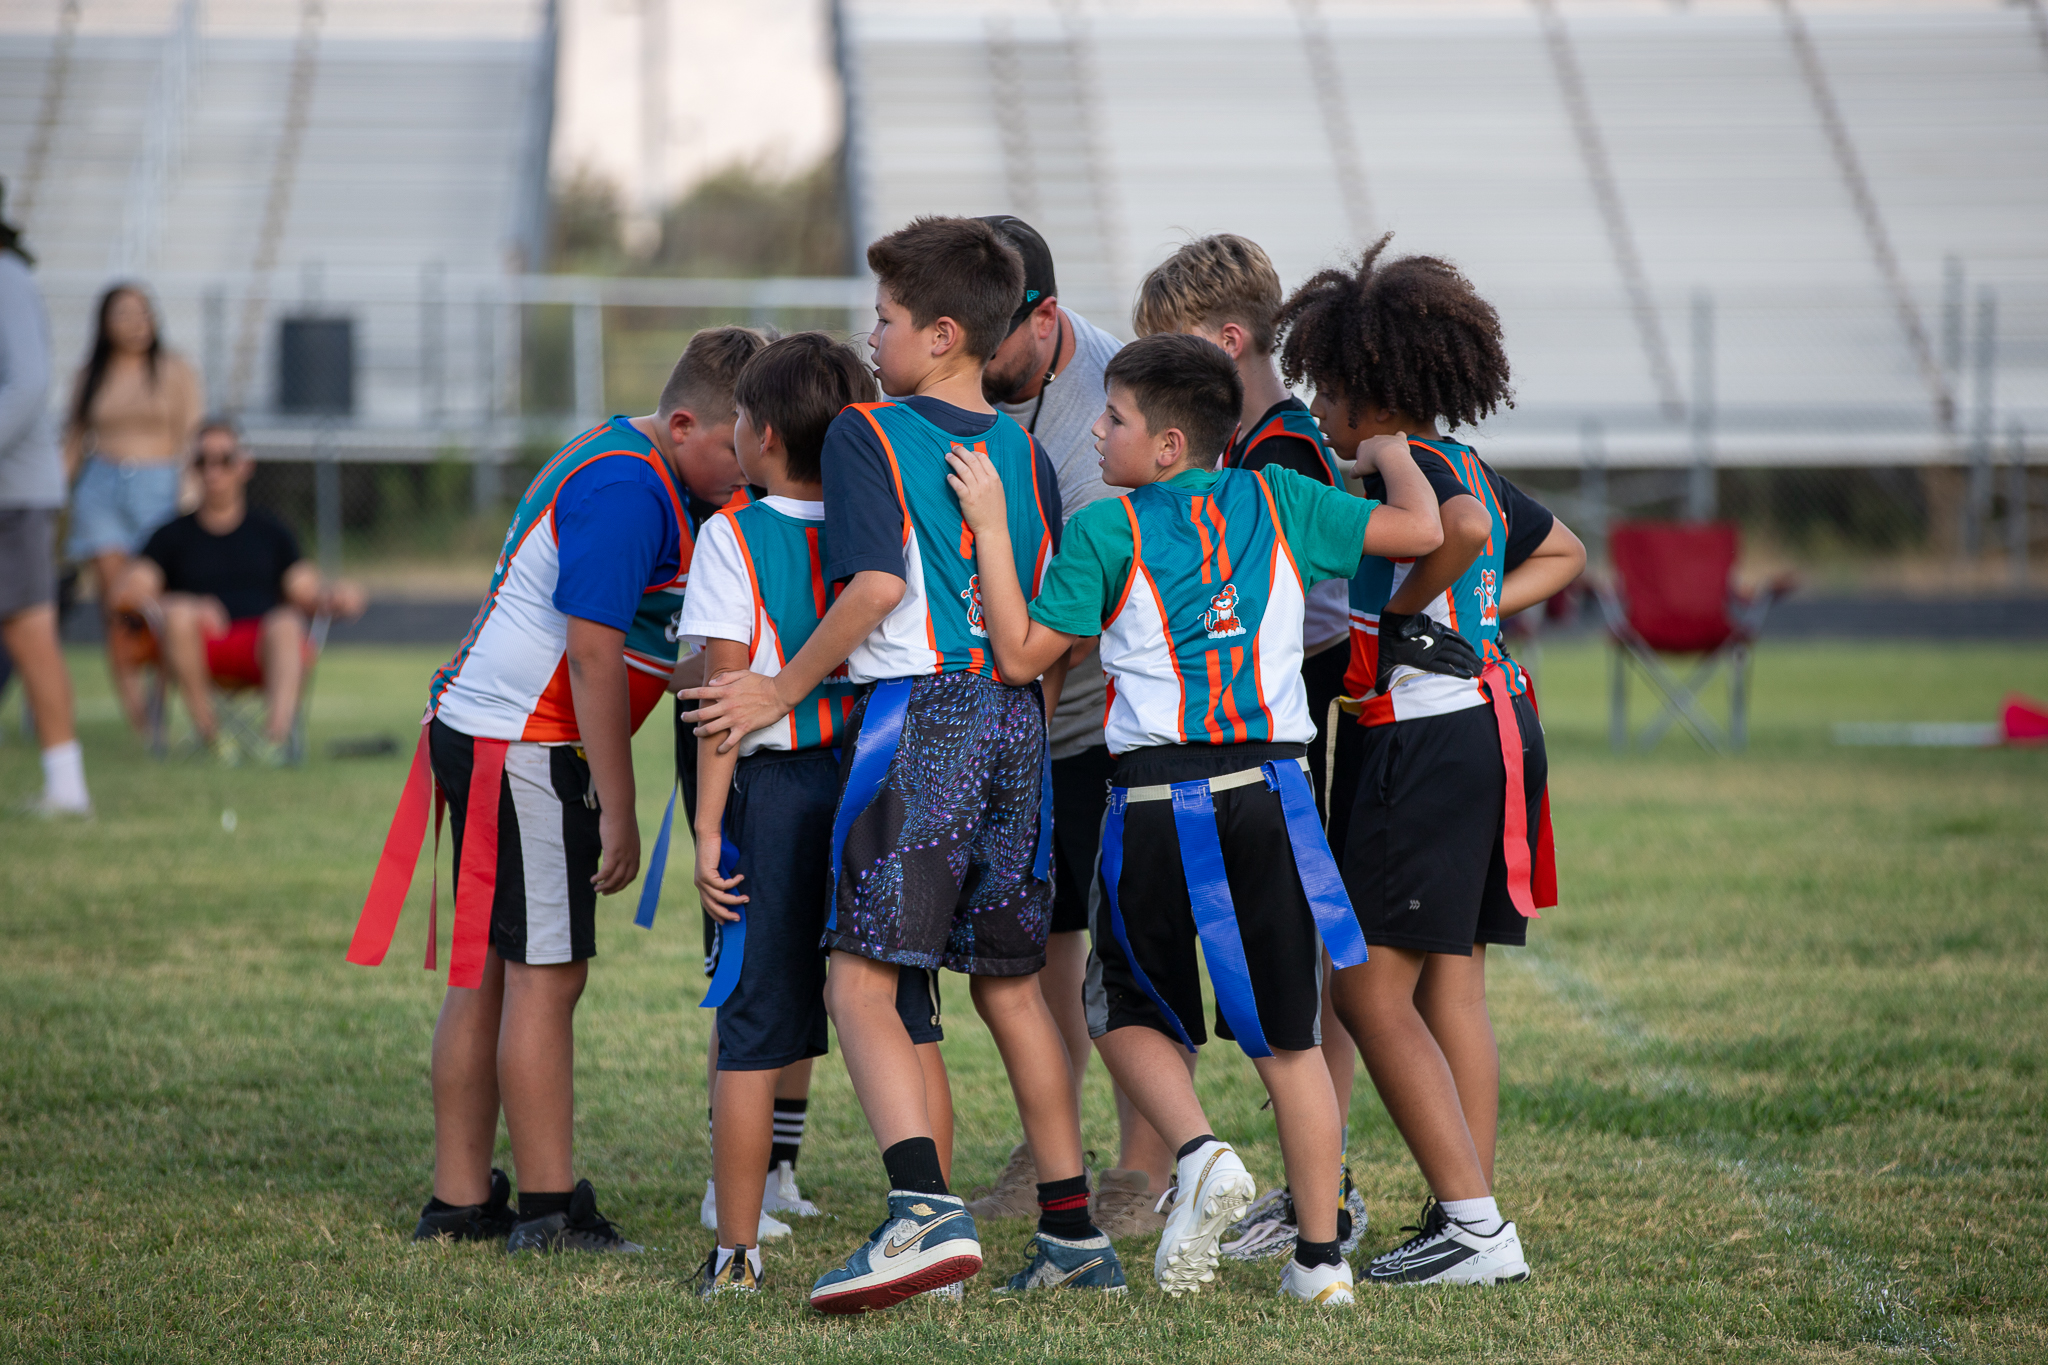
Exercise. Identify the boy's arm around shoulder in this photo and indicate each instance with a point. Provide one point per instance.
(1406, 524)
(1023, 648)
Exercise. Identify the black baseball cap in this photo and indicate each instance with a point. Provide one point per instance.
(1039, 284)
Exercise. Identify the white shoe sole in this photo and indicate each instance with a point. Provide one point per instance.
(1184, 1264)
(935, 1268)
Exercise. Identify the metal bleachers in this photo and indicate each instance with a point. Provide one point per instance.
(1772, 225)
(251, 158)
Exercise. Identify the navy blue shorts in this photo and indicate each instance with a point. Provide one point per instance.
(938, 869)
(779, 816)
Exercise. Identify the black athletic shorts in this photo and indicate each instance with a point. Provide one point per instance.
(779, 816)
(1080, 795)
(1422, 858)
(1323, 675)
(1283, 953)
(544, 910)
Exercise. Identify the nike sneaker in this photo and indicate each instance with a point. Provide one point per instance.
(582, 1228)
(741, 1273)
(1457, 1254)
(1210, 1190)
(771, 1227)
(1326, 1286)
(782, 1195)
(1432, 1221)
(1056, 1263)
(490, 1221)
(928, 1240)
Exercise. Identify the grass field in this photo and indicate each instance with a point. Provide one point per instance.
(1775, 1076)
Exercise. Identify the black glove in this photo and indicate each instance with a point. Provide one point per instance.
(1421, 642)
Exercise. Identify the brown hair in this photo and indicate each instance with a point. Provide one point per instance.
(1208, 282)
(702, 380)
(1412, 336)
(1181, 381)
(797, 386)
(102, 353)
(958, 268)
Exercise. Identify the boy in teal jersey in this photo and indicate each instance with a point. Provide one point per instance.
(1445, 852)
(1224, 289)
(764, 810)
(1195, 582)
(940, 843)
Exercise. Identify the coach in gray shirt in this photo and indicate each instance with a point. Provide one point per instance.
(1047, 375)
(31, 494)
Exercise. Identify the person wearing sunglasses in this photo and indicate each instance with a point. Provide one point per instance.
(234, 595)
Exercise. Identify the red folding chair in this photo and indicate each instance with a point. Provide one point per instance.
(1673, 592)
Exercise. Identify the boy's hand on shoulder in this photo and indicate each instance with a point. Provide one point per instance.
(716, 891)
(978, 487)
(734, 704)
(1367, 460)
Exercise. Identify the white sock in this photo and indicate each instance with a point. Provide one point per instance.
(725, 1255)
(64, 775)
(1473, 1213)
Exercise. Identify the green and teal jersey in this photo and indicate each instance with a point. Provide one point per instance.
(1196, 586)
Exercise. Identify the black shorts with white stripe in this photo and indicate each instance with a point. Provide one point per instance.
(544, 909)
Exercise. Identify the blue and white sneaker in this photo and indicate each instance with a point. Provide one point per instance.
(928, 1240)
(1059, 1264)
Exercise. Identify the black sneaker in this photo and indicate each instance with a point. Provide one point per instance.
(1433, 1221)
(582, 1228)
(487, 1222)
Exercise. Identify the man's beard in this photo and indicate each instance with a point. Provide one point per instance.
(1005, 386)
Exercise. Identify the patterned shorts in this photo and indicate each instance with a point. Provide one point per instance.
(938, 870)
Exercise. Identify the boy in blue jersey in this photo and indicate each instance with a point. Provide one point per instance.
(940, 842)
(764, 810)
(1196, 582)
(1446, 850)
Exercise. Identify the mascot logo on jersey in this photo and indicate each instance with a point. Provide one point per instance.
(1489, 599)
(673, 631)
(972, 595)
(1221, 618)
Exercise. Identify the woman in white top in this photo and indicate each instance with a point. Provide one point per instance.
(135, 408)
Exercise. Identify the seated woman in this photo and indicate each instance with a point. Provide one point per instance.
(233, 595)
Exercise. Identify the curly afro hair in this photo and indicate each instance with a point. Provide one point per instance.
(1411, 336)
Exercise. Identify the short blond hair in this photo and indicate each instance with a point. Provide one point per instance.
(703, 379)
(1208, 282)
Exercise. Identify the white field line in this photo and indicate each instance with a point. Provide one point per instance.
(1884, 1304)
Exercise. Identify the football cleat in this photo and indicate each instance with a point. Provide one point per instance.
(741, 1273)
(928, 1240)
(1210, 1190)
(1327, 1286)
(490, 1221)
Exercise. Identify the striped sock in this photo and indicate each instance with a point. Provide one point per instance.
(789, 1131)
(710, 1136)
(1063, 1209)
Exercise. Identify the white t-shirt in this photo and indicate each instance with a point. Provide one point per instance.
(720, 603)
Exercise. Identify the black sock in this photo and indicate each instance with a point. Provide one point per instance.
(533, 1205)
(1309, 1254)
(435, 1204)
(789, 1131)
(913, 1166)
(1189, 1148)
(1063, 1209)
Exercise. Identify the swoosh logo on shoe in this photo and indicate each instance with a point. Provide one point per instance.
(1072, 1275)
(892, 1248)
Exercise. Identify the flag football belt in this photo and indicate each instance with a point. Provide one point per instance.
(475, 880)
(1201, 860)
(881, 730)
(1531, 883)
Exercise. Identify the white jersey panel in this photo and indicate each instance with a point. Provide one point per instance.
(522, 641)
(901, 647)
(1147, 699)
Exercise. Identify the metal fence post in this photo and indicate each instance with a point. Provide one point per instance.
(2016, 538)
(433, 345)
(327, 504)
(1977, 503)
(587, 339)
(1954, 307)
(1593, 485)
(1699, 490)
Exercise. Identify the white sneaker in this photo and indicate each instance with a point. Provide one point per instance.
(955, 1292)
(1210, 1191)
(1327, 1286)
(771, 1226)
(1455, 1255)
(47, 807)
(781, 1195)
